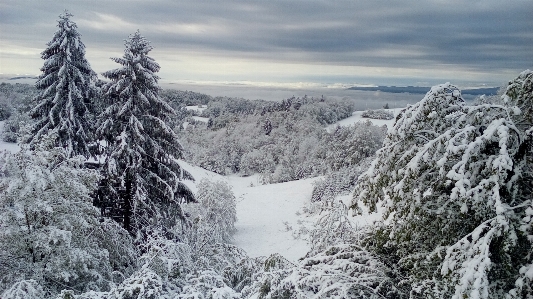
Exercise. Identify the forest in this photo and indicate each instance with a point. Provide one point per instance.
(97, 202)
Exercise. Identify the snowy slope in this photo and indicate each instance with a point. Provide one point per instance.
(262, 211)
(268, 214)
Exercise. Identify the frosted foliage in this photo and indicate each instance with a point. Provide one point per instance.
(343, 271)
(144, 284)
(24, 289)
(143, 177)
(454, 183)
(49, 229)
(216, 211)
(207, 285)
(170, 269)
(334, 227)
(378, 114)
(519, 92)
(66, 91)
(211, 226)
(167, 258)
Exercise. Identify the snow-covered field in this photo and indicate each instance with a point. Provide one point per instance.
(202, 119)
(267, 215)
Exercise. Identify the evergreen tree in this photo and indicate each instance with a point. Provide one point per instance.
(142, 185)
(66, 89)
(454, 182)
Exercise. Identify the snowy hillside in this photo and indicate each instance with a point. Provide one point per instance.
(268, 215)
(265, 213)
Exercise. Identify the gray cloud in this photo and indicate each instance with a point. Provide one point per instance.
(476, 36)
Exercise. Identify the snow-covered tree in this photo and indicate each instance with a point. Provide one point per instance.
(214, 215)
(342, 271)
(332, 228)
(24, 289)
(454, 182)
(142, 184)
(66, 85)
(49, 230)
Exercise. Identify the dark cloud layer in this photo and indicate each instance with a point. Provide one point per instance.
(472, 36)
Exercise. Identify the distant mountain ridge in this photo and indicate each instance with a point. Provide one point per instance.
(23, 77)
(424, 90)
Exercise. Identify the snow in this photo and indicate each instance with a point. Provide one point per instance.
(357, 117)
(262, 211)
(202, 119)
(265, 215)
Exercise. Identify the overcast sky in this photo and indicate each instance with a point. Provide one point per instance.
(405, 42)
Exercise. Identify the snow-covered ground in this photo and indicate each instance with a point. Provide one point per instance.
(267, 215)
(357, 117)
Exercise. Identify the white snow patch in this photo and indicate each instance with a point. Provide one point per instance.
(203, 119)
(263, 212)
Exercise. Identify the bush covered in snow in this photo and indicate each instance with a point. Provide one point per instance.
(342, 271)
(13, 126)
(16, 100)
(50, 233)
(340, 182)
(213, 217)
(378, 114)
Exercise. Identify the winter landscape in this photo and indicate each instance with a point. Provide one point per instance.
(222, 175)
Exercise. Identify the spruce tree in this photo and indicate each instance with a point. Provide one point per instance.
(142, 185)
(66, 88)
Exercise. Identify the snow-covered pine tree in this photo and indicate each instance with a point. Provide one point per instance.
(66, 85)
(454, 182)
(142, 185)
